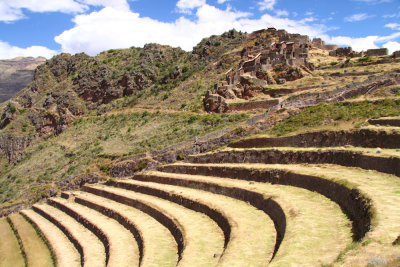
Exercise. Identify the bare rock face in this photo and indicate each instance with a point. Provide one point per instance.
(13, 147)
(215, 103)
(266, 76)
(76, 182)
(287, 72)
(8, 115)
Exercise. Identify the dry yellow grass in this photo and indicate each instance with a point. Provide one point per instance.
(10, 254)
(65, 252)
(253, 234)
(159, 246)
(123, 247)
(37, 253)
(203, 238)
(93, 249)
(316, 230)
(383, 189)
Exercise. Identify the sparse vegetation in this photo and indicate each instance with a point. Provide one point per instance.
(326, 114)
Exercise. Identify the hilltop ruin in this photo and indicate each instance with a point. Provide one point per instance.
(273, 57)
(276, 51)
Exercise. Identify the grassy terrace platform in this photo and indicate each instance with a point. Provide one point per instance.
(382, 189)
(312, 220)
(252, 237)
(92, 249)
(65, 252)
(120, 245)
(9, 247)
(202, 237)
(158, 245)
(36, 251)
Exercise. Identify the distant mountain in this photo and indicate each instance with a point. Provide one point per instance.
(15, 74)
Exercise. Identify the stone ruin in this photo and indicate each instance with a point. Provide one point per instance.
(377, 52)
(348, 52)
(319, 43)
(252, 74)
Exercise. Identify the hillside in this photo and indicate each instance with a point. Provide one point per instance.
(301, 138)
(16, 74)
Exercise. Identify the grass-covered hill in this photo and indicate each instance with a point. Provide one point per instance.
(85, 118)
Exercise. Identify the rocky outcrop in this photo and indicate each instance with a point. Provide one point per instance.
(8, 115)
(13, 147)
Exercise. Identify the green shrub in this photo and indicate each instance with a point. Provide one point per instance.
(364, 59)
(180, 156)
(11, 107)
(141, 166)
(145, 114)
(105, 168)
(192, 119)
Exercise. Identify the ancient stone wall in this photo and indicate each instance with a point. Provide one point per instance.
(331, 47)
(359, 138)
(377, 52)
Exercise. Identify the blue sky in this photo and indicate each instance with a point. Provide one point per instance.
(49, 27)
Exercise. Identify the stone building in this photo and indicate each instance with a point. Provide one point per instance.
(377, 52)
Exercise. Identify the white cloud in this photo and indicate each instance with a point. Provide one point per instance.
(222, 1)
(7, 51)
(8, 14)
(12, 10)
(117, 4)
(390, 16)
(358, 44)
(358, 17)
(362, 43)
(281, 13)
(266, 4)
(186, 6)
(393, 36)
(392, 46)
(111, 28)
(393, 26)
